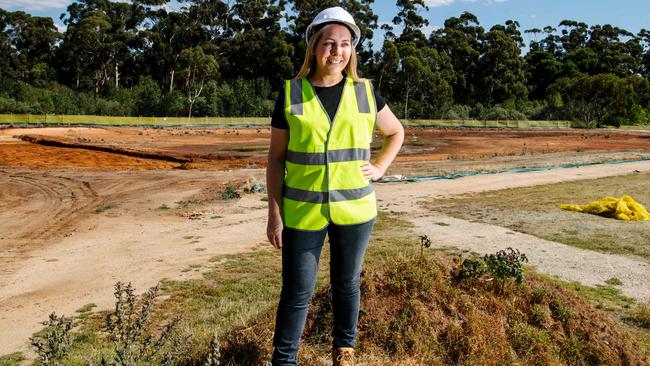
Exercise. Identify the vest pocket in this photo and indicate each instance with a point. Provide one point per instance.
(346, 175)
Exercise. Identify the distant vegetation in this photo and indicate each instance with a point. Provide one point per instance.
(227, 58)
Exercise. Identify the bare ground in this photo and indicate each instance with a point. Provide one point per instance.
(134, 241)
(69, 228)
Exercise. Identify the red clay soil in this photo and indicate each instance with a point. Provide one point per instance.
(224, 148)
(482, 144)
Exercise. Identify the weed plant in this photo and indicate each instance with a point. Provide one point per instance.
(501, 266)
(103, 208)
(134, 342)
(425, 242)
(52, 343)
(230, 193)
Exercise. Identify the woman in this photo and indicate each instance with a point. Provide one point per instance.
(318, 180)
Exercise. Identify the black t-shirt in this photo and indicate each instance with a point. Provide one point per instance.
(330, 96)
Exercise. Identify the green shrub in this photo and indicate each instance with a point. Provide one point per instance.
(506, 264)
(146, 97)
(472, 269)
(458, 111)
(503, 114)
(230, 193)
(502, 265)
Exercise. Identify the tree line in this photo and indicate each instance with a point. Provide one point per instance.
(228, 58)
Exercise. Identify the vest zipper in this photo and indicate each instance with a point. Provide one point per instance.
(327, 140)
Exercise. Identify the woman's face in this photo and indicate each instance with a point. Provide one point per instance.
(333, 49)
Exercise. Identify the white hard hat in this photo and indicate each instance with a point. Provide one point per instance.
(335, 15)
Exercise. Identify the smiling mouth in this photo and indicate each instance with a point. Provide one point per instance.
(338, 62)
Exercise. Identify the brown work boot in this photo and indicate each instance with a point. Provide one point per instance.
(343, 356)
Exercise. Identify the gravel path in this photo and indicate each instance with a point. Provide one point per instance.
(567, 262)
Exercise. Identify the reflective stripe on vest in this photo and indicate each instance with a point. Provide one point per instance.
(323, 181)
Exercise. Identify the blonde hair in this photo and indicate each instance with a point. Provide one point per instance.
(309, 64)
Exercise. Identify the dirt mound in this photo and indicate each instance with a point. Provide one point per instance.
(425, 152)
(418, 312)
(111, 149)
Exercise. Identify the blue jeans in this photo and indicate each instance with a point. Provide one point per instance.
(300, 254)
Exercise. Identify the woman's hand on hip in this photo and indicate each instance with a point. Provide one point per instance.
(274, 231)
(371, 171)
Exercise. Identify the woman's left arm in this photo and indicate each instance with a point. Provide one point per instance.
(393, 132)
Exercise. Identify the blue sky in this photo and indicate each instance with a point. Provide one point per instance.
(632, 15)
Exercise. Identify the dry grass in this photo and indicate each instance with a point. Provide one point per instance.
(414, 312)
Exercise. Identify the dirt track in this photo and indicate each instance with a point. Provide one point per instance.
(73, 221)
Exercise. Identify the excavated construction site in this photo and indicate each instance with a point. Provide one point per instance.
(84, 207)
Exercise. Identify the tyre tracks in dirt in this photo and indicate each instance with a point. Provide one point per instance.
(52, 206)
(60, 252)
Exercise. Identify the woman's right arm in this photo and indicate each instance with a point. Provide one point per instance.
(275, 182)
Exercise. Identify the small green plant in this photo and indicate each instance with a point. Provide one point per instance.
(185, 203)
(230, 193)
(103, 208)
(502, 265)
(539, 295)
(614, 281)
(12, 359)
(86, 308)
(540, 316)
(472, 269)
(506, 264)
(129, 329)
(559, 311)
(52, 343)
(425, 242)
(163, 207)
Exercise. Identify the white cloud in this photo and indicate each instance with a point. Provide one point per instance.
(60, 27)
(533, 16)
(436, 3)
(429, 29)
(34, 4)
(169, 7)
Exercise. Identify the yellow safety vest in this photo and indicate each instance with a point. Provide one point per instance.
(323, 181)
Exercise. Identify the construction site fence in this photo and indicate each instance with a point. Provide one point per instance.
(51, 119)
(71, 120)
